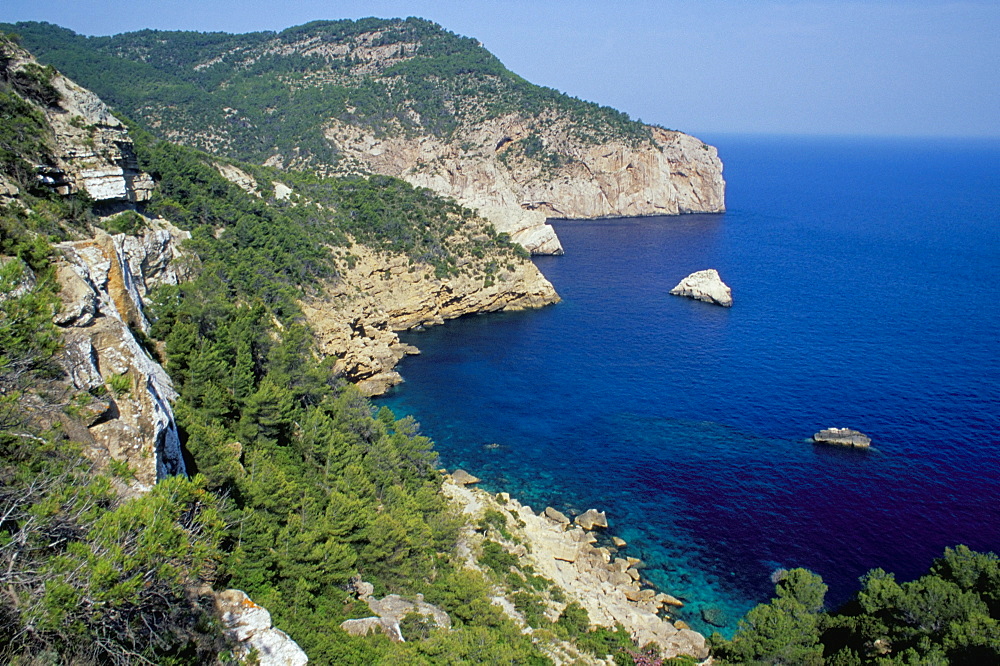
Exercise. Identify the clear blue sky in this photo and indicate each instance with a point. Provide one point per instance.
(882, 67)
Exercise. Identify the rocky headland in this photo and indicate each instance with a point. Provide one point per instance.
(406, 98)
(356, 318)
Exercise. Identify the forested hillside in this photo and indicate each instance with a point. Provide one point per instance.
(296, 485)
(255, 95)
(403, 98)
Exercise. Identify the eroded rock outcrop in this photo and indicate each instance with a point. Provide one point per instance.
(250, 625)
(357, 317)
(102, 285)
(389, 612)
(610, 588)
(90, 149)
(705, 286)
(482, 169)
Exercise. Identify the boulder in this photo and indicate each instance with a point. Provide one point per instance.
(463, 478)
(618, 541)
(640, 595)
(842, 437)
(362, 588)
(592, 518)
(705, 286)
(364, 626)
(564, 552)
(669, 600)
(555, 515)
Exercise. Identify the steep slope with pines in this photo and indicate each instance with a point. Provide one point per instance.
(404, 98)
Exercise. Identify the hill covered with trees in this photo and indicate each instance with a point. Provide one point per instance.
(248, 96)
(398, 97)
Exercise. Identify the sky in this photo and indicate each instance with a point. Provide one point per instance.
(813, 67)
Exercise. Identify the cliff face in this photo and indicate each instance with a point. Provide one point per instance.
(488, 167)
(103, 282)
(357, 317)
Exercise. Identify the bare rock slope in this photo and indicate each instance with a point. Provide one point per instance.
(609, 587)
(103, 282)
(485, 168)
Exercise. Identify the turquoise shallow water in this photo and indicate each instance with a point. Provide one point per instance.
(865, 275)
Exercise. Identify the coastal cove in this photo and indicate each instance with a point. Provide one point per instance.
(864, 279)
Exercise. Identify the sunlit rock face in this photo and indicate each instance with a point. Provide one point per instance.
(673, 173)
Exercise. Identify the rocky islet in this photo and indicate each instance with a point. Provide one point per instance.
(705, 286)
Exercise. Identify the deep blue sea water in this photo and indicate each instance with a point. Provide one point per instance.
(866, 278)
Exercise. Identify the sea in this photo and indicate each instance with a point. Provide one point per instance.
(866, 279)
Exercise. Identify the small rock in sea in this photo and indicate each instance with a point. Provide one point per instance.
(618, 541)
(463, 478)
(705, 286)
(842, 437)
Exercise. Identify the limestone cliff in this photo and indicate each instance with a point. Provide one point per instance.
(494, 167)
(356, 317)
(103, 281)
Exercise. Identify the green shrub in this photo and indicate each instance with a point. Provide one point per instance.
(573, 621)
(120, 385)
(497, 520)
(497, 558)
(128, 222)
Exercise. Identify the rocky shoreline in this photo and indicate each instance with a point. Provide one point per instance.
(609, 587)
(356, 319)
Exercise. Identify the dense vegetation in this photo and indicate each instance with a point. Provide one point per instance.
(256, 95)
(297, 485)
(949, 616)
